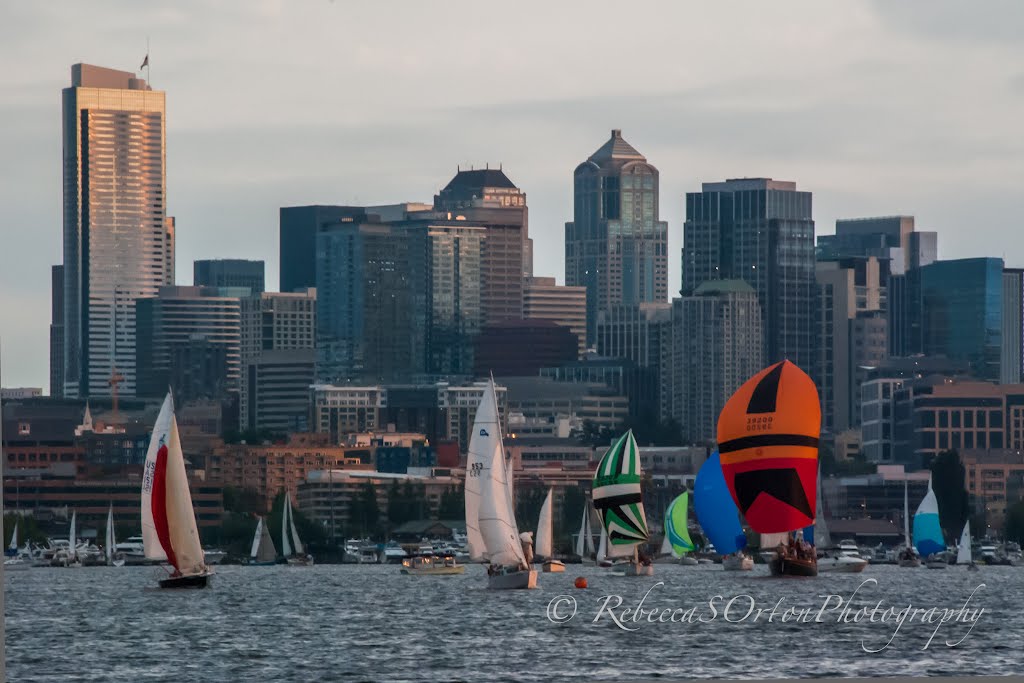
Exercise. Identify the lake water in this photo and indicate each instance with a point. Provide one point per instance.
(368, 622)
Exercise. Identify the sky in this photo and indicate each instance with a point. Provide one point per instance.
(878, 108)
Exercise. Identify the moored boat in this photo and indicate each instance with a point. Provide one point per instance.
(431, 565)
(737, 562)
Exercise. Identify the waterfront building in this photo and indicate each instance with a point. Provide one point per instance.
(990, 476)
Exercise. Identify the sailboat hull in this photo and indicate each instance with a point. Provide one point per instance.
(301, 561)
(735, 563)
(553, 567)
(513, 580)
(268, 563)
(196, 581)
(910, 562)
(787, 566)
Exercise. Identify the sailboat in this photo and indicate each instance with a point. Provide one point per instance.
(293, 551)
(719, 517)
(768, 444)
(15, 561)
(619, 502)
(585, 541)
(545, 531)
(263, 553)
(12, 548)
(846, 561)
(677, 533)
(928, 536)
(69, 557)
(963, 552)
(168, 519)
(907, 557)
(114, 559)
(491, 528)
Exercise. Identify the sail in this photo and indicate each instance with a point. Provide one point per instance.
(497, 522)
(666, 546)
(73, 536)
(256, 537)
(485, 437)
(963, 553)
(168, 519)
(768, 442)
(296, 543)
(266, 552)
(602, 546)
(14, 538)
(286, 547)
(715, 508)
(928, 538)
(770, 541)
(581, 540)
(676, 524)
(109, 542)
(617, 496)
(510, 479)
(589, 543)
(544, 528)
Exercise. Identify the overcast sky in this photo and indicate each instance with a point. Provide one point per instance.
(876, 107)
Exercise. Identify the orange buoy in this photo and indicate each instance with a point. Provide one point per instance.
(580, 582)
(768, 444)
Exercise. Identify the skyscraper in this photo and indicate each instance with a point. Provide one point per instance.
(760, 231)
(567, 306)
(116, 239)
(57, 331)
(1011, 366)
(615, 245)
(229, 273)
(298, 229)
(278, 321)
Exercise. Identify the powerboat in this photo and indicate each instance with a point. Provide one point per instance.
(431, 565)
(394, 553)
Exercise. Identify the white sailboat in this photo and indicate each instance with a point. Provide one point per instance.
(15, 561)
(293, 551)
(169, 529)
(263, 553)
(963, 551)
(114, 559)
(545, 531)
(907, 557)
(490, 518)
(585, 540)
(847, 561)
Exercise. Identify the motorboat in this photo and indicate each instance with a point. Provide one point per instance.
(394, 553)
(431, 565)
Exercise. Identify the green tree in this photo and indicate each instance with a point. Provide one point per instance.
(948, 475)
(364, 513)
(529, 497)
(396, 511)
(574, 499)
(453, 503)
(1015, 522)
(28, 530)
(313, 535)
(245, 501)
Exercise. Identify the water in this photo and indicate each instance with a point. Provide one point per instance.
(359, 622)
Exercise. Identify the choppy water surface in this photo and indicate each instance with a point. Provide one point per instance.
(340, 623)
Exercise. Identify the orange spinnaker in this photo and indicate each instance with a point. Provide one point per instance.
(768, 444)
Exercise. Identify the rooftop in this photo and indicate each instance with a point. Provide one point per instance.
(616, 148)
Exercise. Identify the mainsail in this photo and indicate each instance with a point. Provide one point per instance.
(262, 546)
(963, 553)
(928, 536)
(676, 525)
(288, 526)
(14, 538)
(768, 440)
(544, 528)
(108, 544)
(168, 519)
(584, 541)
(73, 537)
(715, 508)
(485, 437)
(618, 499)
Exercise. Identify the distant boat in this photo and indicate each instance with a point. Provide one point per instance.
(718, 516)
(15, 561)
(677, 533)
(263, 552)
(585, 540)
(490, 518)
(907, 556)
(114, 558)
(768, 434)
(619, 502)
(12, 548)
(169, 529)
(545, 531)
(68, 557)
(928, 536)
(963, 553)
(847, 560)
(293, 551)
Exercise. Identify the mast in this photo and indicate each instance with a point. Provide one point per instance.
(906, 512)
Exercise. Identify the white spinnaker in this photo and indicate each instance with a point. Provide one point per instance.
(486, 435)
(497, 523)
(963, 553)
(286, 548)
(161, 435)
(181, 516)
(256, 539)
(296, 543)
(544, 529)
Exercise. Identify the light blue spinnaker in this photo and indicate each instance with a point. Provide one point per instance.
(928, 537)
(716, 511)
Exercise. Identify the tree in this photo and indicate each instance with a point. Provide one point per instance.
(529, 498)
(574, 500)
(363, 511)
(453, 503)
(948, 476)
(593, 434)
(28, 530)
(245, 501)
(1015, 522)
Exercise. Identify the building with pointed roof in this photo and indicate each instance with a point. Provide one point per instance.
(616, 246)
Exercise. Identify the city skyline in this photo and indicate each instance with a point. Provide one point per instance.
(868, 136)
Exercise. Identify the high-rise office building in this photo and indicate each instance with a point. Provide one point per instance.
(170, 227)
(57, 331)
(299, 226)
(278, 321)
(850, 334)
(717, 345)
(487, 198)
(567, 306)
(117, 247)
(275, 391)
(615, 245)
(760, 231)
(229, 273)
(189, 338)
(1011, 365)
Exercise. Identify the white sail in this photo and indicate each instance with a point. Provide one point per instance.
(544, 529)
(256, 537)
(602, 546)
(498, 528)
(485, 437)
(286, 548)
(14, 537)
(108, 544)
(584, 532)
(296, 543)
(666, 547)
(589, 543)
(168, 520)
(73, 536)
(770, 541)
(263, 546)
(511, 480)
(963, 553)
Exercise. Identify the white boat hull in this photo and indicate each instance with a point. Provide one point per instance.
(553, 567)
(434, 571)
(735, 563)
(688, 561)
(513, 580)
(842, 565)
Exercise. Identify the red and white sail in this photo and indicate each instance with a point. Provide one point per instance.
(168, 521)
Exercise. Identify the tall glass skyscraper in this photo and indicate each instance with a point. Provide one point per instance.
(760, 231)
(615, 245)
(117, 241)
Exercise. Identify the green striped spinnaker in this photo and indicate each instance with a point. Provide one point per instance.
(617, 493)
(676, 524)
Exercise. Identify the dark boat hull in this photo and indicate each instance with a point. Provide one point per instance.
(787, 566)
(198, 581)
